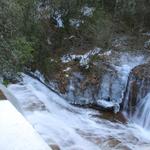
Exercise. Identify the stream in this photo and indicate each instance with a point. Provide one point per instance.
(73, 128)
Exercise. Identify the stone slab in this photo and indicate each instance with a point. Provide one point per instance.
(16, 133)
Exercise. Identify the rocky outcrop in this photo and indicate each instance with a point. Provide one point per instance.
(138, 87)
(85, 88)
(102, 84)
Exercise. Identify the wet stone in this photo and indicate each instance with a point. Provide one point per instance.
(2, 96)
(54, 147)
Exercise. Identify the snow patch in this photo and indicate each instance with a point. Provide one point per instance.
(107, 53)
(83, 59)
(147, 33)
(76, 22)
(87, 11)
(105, 104)
(39, 76)
(67, 69)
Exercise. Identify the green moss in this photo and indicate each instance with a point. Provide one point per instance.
(6, 82)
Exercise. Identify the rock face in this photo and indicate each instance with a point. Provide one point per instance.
(101, 85)
(138, 87)
(88, 88)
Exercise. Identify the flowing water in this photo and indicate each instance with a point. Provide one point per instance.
(73, 128)
(142, 115)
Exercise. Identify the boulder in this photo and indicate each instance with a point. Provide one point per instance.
(137, 88)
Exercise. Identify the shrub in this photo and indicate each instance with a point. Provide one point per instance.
(15, 55)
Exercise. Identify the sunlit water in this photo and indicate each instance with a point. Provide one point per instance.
(75, 128)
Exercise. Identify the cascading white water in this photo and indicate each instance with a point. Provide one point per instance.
(123, 65)
(74, 128)
(142, 114)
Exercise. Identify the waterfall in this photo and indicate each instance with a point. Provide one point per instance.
(73, 128)
(142, 114)
(137, 97)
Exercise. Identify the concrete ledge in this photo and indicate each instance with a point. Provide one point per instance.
(16, 133)
(10, 97)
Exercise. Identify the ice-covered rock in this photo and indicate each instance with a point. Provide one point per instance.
(105, 84)
(83, 59)
(147, 44)
(76, 22)
(67, 69)
(87, 11)
(58, 18)
(105, 104)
